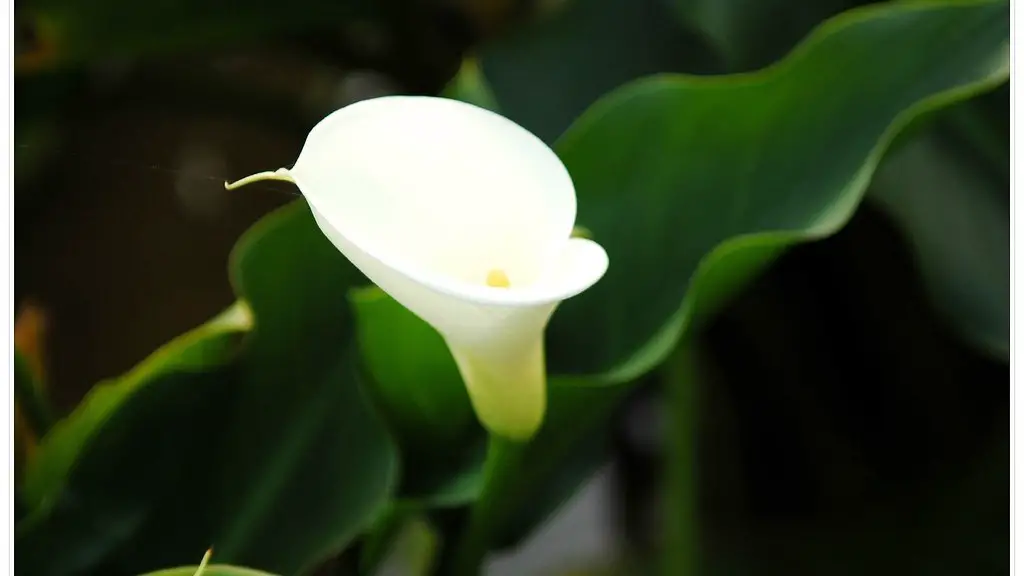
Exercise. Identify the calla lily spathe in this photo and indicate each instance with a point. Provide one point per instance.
(463, 217)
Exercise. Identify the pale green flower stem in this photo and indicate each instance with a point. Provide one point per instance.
(464, 555)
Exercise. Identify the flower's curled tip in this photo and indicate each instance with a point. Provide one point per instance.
(281, 174)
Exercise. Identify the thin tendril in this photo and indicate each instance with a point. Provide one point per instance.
(280, 174)
(182, 173)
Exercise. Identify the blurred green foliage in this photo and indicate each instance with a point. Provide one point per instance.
(705, 138)
(62, 33)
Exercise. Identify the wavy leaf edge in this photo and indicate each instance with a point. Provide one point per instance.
(662, 342)
(108, 395)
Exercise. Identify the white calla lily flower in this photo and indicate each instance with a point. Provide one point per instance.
(463, 217)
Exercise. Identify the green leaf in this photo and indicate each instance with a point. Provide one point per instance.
(545, 75)
(718, 175)
(452, 486)
(972, 292)
(418, 387)
(308, 465)
(694, 185)
(135, 498)
(415, 382)
(157, 421)
(276, 459)
(957, 220)
(415, 376)
(209, 345)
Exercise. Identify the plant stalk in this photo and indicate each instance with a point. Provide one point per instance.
(470, 547)
(681, 543)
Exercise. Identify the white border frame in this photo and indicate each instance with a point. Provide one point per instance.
(1016, 432)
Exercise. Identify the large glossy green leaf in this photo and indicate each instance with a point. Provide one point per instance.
(545, 75)
(276, 459)
(414, 380)
(207, 346)
(133, 452)
(694, 185)
(136, 497)
(717, 175)
(415, 374)
(750, 34)
(310, 464)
